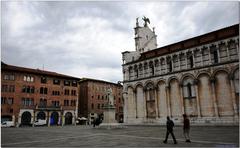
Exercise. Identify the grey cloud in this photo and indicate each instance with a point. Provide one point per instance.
(95, 51)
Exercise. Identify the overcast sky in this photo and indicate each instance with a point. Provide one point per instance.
(85, 39)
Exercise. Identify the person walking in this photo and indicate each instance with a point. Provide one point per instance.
(170, 126)
(94, 122)
(186, 127)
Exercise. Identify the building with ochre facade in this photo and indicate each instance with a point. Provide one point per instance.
(198, 76)
(28, 95)
(94, 96)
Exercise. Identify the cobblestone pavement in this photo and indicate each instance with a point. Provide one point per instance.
(130, 136)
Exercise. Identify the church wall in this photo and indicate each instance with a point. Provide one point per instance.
(138, 107)
(198, 81)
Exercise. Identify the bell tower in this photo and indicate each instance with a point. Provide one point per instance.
(145, 38)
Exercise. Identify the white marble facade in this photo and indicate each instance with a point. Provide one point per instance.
(201, 81)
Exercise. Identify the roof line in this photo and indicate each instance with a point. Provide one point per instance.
(5, 66)
(96, 80)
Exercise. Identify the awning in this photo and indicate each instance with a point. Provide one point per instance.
(82, 118)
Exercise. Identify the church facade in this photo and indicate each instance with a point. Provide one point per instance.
(198, 76)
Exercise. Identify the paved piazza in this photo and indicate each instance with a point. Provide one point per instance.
(131, 136)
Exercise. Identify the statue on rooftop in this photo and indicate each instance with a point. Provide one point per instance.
(146, 20)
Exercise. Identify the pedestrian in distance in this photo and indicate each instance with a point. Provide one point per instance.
(186, 127)
(94, 122)
(97, 121)
(170, 126)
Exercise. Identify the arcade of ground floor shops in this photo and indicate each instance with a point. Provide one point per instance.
(27, 117)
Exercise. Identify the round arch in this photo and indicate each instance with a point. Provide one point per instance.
(234, 69)
(129, 86)
(26, 118)
(203, 73)
(135, 66)
(171, 79)
(130, 67)
(185, 76)
(54, 118)
(68, 118)
(150, 62)
(160, 81)
(139, 84)
(149, 82)
(215, 72)
(156, 61)
(41, 115)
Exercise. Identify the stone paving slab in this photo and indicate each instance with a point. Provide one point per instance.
(130, 136)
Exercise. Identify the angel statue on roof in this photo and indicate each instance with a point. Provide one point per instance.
(146, 20)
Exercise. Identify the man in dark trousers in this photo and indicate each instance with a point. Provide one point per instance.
(170, 126)
(186, 127)
(97, 121)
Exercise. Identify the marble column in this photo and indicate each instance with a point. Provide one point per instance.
(214, 97)
(218, 52)
(179, 62)
(156, 101)
(209, 56)
(228, 53)
(233, 97)
(144, 103)
(135, 99)
(168, 101)
(237, 46)
(197, 98)
(193, 56)
(179, 58)
(202, 52)
(126, 74)
(129, 74)
(125, 106)
(181, 98)
(185, 60)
